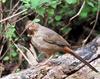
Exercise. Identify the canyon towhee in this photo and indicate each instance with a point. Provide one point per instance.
(50, 42)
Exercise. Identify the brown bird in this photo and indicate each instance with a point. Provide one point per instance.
(50, 42)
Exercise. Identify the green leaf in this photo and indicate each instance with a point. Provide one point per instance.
(3, 1)
(50, 11)
(13, 53)
(90, 4)
(45, 1)
(36, 20)
(40, 11)
(10, 32)
(25, 1)
(27, 5)
(17, 70)
(58, 18)
(95, 9)
(66, 30)
(53, 4)
(86, 10)
(84, 14)
(35, 3)
(71, 1)
(6, 58)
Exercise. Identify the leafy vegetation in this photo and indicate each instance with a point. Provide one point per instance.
(55, 14)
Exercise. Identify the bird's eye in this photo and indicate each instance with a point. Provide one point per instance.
(32, 28)
(30, 31)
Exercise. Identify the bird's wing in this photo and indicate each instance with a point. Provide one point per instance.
(54, 38)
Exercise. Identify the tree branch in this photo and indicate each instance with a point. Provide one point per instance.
(13, 15)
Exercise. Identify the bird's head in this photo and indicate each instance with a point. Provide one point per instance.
(31, 27)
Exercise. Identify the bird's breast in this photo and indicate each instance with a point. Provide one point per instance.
(43, 46)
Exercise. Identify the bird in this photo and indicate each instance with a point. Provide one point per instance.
(49, 42)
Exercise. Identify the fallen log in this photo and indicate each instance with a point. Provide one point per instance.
(65, 66)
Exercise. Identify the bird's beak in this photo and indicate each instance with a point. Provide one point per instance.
(31, 28)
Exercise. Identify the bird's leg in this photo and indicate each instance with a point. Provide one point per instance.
(49, 58)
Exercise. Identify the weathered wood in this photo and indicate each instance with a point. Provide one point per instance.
(66, 66)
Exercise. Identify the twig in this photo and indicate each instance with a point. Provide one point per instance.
(24, 30)
(19, 63)
(1, 16)
(22, 53)
(4, 53)
(62, 67)
(74, 16)
(33, 51)
(78, 12)
(11, 1)
(13, 15)
(97, 15)
(14, 7)
(17, 9)
(45, 19)
(1, 48)
(21, 18)
(31, 57)
(26, 27)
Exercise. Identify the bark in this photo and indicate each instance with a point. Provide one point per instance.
(65, 66)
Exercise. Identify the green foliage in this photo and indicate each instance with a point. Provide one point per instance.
(34, 3)
(90, 8)
(55, 10)
(10, 35)
(3, 1)
(13, 53)
(26, 3)
(41, 11)
(10, 55)
(36, 20)
(58, 18)
(10, 32)
(65, 7)
(6, 58)
(52, 13)
(90, 4)
(71, 1)
(66, 30)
